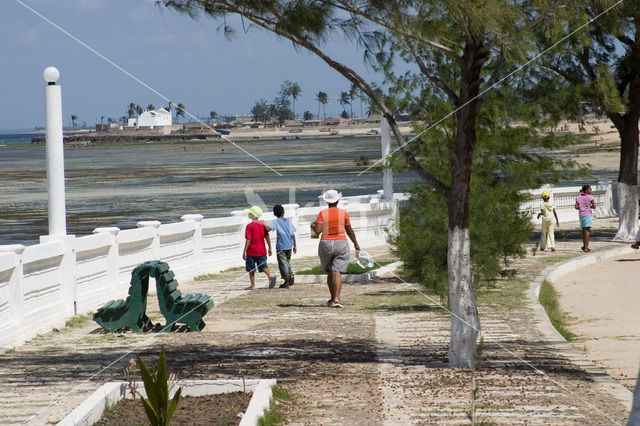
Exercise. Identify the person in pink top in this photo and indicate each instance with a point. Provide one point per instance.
(585, 204)
(333, 250)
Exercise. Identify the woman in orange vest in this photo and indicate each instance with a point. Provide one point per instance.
(333, 250)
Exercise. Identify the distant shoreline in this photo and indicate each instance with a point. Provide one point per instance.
(236, 135)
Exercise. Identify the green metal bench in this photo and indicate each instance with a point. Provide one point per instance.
(118, 314)
(176, 308)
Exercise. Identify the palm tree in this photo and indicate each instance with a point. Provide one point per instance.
(131, 112)
(151, 107)
(353, 93)
(344, 100)
(73, 121)
(101, 119)
(139, 110)
(180, 110)
(322, 98)
(213, 115)
(294, 91)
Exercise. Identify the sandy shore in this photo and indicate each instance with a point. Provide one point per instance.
(369, 129)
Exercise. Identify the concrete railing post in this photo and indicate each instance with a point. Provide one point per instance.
(197, 239)
(113, 256)
(16, 310)
(387, 177)
(155, 245)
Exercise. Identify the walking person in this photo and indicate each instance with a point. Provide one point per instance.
(255, 252)
(585, 204)
(548, 213)
(285, 245)
(333, 250)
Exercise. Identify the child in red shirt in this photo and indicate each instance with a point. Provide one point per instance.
(255, 253)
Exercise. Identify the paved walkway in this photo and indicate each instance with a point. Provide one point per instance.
(380, 360)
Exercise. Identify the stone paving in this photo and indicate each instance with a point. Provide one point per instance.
(380, 360)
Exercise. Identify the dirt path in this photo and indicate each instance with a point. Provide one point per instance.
(379, 360)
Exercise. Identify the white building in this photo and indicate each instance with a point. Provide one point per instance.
(151, 119)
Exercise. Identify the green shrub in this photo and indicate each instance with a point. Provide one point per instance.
(157, 405)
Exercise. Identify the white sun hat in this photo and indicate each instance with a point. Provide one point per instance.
(331, 196)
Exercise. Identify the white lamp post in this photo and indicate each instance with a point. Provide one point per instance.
(55, 152)
(387, 177)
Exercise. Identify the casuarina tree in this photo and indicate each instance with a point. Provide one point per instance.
(478, 38)
(602, 64)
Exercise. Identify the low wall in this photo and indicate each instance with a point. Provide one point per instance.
(43, 285)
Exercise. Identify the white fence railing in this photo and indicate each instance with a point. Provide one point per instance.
(43, 285)
(564, 200)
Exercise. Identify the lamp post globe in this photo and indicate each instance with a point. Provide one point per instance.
(51, 75)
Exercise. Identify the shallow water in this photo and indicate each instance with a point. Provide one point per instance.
(123, 184)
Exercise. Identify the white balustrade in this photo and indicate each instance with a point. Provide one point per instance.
(43, 285)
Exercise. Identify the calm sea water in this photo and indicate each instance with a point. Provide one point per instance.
(121, 185)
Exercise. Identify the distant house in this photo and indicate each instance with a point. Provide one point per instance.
(152, 119)
(373, 118)
(336, 122)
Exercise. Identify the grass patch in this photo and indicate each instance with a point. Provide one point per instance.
(549, 300)
(274, 415)
(507, 293)
(553, 259)
(353, 268)
(78, 320)
(221, 274)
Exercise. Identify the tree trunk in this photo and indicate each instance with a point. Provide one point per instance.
(465, 324)
(627, 212)
(627, 126)
(634, 416)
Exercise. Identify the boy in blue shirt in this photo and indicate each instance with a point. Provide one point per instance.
(285, 244)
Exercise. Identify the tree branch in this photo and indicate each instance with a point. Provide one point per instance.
(348, 7)
(492, 79)
(434, 78)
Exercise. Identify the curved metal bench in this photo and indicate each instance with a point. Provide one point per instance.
(118, 314)
(176, 308)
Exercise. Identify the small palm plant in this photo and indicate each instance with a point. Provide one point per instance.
(157, 405)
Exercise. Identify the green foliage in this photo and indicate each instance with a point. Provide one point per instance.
(78, 320)
(352, 268)
(273, 416)
(549, 300)
(513, 153)
(157, 405)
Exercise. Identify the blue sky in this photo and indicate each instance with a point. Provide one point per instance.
(185, 60)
